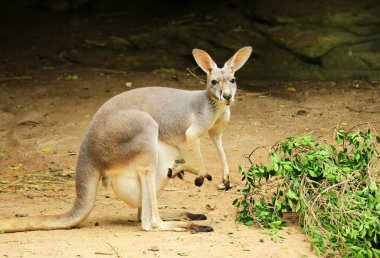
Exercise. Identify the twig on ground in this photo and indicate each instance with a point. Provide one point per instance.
(115, 250)
(361, 111)
(14, 78)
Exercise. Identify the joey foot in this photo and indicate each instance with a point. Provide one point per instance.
(179, 175)
(199, 180)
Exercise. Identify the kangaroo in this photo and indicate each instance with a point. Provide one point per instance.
(132, 143)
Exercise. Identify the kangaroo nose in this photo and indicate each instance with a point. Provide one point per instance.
(227, 96)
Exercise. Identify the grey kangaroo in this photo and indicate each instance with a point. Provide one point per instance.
(132, 145)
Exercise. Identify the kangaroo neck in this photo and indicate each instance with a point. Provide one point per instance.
(214, 103)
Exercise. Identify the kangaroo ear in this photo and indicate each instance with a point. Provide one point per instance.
(204, 61)
(239, 59)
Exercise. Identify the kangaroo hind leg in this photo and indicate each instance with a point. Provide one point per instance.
(146, 165)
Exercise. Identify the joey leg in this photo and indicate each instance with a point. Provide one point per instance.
(181, 166)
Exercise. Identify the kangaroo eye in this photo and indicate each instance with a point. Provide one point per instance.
(214, 82)
(233, 80)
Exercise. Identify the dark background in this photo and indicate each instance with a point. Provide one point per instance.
(297, 40)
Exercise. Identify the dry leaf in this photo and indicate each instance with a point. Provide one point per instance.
(47, 149)
(291, 89)
(15, 166)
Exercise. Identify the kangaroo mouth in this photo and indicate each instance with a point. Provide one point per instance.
(225, 101)
(228, 102)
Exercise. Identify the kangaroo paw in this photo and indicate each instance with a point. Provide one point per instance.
(181, 175)
(170, 172)
(199, 181)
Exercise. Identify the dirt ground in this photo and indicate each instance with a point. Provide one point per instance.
(43, 116)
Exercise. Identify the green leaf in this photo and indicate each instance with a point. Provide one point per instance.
(298, 207)
(278, 205)
(292, 195)
(249, 222)
(71, 77)
(369, 253)
(373, 186)
(287, 167)
(275, 167)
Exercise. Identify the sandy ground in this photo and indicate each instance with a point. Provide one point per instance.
(43, 116)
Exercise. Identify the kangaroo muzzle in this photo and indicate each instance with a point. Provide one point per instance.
(227, 97)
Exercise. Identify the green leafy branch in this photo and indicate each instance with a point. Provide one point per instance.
(334, 188)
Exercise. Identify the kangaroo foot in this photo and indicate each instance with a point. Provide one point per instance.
(225, 186)
(192, 216)
(200, 228)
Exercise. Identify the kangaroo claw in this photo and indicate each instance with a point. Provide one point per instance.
(209, 177)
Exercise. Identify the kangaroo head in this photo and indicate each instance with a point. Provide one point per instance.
(221, 83)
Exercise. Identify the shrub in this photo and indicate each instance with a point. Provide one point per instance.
(334, 188)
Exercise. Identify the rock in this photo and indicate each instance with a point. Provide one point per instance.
(118, 44)
(309, 40)
(210, 207)
(154, 249)
(21, 215)
(142, 41)
(301, 112)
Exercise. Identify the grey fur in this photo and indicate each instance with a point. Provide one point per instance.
(133, 139)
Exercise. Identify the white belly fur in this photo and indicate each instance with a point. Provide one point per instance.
(126, 182)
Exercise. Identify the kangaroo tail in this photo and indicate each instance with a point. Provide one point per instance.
(87, 179)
